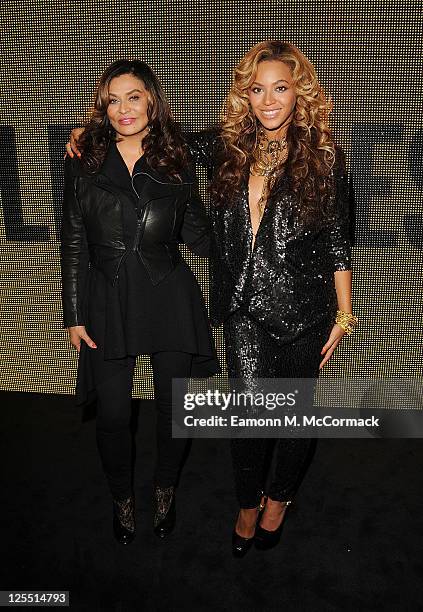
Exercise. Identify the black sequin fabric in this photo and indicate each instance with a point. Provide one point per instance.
(252, 354)
(277, 301)
(286, 282)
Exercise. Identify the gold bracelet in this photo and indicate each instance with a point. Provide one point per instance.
(346, 320)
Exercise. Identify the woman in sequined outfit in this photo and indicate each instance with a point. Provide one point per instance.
(280, 256)
(280, 259)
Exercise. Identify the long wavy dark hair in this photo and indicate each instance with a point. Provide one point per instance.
(163, 146)
(311, 146)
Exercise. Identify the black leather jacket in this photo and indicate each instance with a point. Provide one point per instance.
(92, 231)
(286, 283)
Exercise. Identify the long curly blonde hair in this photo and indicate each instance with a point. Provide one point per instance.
(311, 147)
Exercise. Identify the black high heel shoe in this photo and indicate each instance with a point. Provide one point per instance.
(165, 514)
(265, 539)
(241, 545)
(124, 520)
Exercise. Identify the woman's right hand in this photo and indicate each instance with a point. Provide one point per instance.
(78, 333)
(72, 145)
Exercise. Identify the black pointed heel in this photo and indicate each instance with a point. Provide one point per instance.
(241, 545)
(265, 539)
(165, 514)
(124, 520)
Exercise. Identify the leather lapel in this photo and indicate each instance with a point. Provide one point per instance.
(102, 181)
(152, 189)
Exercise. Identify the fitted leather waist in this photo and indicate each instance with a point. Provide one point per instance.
(159, 260)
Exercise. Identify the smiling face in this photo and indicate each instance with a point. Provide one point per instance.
(128, 105)
(272, 96)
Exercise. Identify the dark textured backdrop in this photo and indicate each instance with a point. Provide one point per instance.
(368, 58)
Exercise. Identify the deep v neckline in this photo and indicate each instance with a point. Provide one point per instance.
(253, 238)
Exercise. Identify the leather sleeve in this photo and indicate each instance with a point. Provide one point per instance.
(339, 228)
(74, 256)
(195, 231)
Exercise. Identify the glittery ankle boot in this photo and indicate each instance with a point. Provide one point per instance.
(165, 512)
(124, 520)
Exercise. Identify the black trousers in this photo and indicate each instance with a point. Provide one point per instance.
(252, 353)
(113, 382)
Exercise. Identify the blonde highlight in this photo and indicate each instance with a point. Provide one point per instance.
(312, 150)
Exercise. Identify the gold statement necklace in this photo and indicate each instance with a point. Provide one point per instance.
(268, 157)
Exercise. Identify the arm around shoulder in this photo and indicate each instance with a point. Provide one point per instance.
(203, 146)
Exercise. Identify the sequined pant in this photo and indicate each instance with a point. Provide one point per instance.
(252, 353)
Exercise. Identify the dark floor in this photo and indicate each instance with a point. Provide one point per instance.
(353, 540)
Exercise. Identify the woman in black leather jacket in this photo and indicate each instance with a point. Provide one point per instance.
(280, 256)
(130, 197)
(280, 262)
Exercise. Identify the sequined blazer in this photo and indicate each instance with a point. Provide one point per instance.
(286, 282)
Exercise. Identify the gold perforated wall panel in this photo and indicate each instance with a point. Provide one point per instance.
(368, 57)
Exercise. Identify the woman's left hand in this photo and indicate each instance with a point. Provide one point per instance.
(334, 339)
